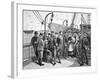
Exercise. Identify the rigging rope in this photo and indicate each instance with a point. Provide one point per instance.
(83, 19)
(73, 19)
(39, 15)
(36, 16)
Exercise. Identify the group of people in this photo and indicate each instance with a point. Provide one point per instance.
(52, 46)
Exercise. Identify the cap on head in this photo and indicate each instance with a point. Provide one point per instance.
(41, 34)
(35, 32)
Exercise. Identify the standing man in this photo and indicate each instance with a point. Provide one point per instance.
(35, 44)
(52, 47)
(61, 44)
(47, 53)
(40, 49)
(83, 50)
(76, 44)
(65, 39)
(58, 47)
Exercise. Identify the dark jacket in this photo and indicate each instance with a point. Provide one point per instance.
(34, 41)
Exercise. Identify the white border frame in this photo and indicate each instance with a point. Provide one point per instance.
(17, 69)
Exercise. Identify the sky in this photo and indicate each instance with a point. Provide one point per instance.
(31, 22)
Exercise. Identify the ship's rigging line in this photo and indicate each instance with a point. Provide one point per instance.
(73, 19)
(38, 16)
(83, 19)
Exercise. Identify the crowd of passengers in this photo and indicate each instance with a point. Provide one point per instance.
(51, 47)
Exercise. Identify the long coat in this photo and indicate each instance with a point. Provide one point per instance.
(82, 51)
